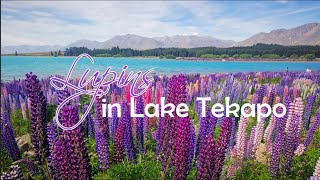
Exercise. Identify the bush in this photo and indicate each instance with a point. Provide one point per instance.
(270, 56)
(170, 56)
(224, 56)
(310, 56)
(236, 56)
(243, 56)
(209, 56)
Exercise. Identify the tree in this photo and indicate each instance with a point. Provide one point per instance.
(59, 53)
(16, 53)
(52, 53)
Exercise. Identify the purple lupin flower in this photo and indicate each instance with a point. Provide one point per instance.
(206, 157)
(139, 125)
(37, 117)
(291, 142)
(312, 130)
(114, 122)
(102, 135)
(8, 137)
(89, 128)
(271, 97)
(159, 134)
(277, 145)
(204, 128)
(72, 157)
(128, 138)
(52, 140)
(221, 146)
(307, 111)
(118, 143)
(249, 151)
(176, 95)
(182, 151)
(233, 133)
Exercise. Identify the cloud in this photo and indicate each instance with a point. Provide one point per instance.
(58, 22)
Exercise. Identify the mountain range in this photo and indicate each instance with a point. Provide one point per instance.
(307, 34)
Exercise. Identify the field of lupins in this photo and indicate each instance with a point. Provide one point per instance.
(194, 147)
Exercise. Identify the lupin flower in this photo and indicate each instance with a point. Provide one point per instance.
(8, 137)
(176, 95)
(71, 156)
(118, 143)
(33, 169)
(204, 128)
(37, 117)
(241, 142)
(317, 170)
(268, 134)
(182, 151)
(291, 141)
(24, 110)
(52, 140)
(221, 146)
(89, 128)
(128, 138)
(307, 111)
(300, 149)
(206, 158)
(139, 125)
(102, 135)
(312, 130)
(250, 144)
(14, 173)
(277, 145)
(114, 122)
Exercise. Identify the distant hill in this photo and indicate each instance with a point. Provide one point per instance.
(30, 49)
(307, 34)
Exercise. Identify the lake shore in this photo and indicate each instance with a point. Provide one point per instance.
(195, 59)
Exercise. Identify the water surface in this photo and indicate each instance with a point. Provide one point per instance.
(18, 66)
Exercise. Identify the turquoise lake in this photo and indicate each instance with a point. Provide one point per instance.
(18, 66)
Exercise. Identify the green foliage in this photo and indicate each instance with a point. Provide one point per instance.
(93, 156)
(209, 56)
(270, 80)
(51, 112)
(236, 56)
(20, 126)
(104, 55)
(253, 170)
(302, 167)
(216, 133)
(244, 56)
(294, 56)
(170, 56)
(5, 159)
(246, 52)
(224, 56)
(144, 169)
(270, 56)
(117, 55)
(310, 56)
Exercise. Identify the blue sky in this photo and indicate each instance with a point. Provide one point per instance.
(55, 22)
